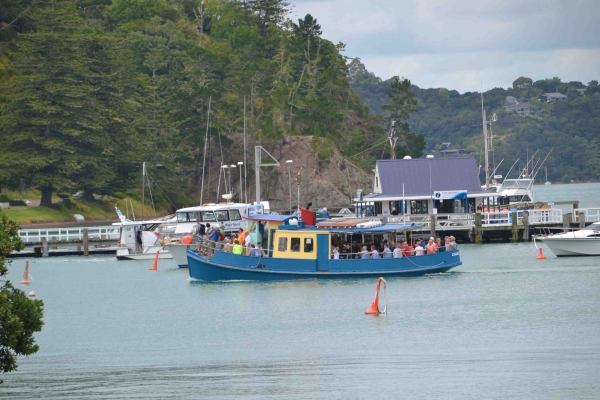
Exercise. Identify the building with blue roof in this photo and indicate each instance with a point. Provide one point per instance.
(425, 186)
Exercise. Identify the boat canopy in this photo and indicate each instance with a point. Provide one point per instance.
(377, 229)
(269, 217)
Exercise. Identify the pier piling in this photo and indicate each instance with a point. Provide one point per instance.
(581, 220)
(515, 226)
(567, 218)
(44, 248)
(478, 229)
(526, 225)
(86, 250)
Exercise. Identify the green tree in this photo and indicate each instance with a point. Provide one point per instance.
(522, 81)
(54, 124)
(20, 317)
(402, 104)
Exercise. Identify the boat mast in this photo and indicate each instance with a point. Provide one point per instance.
(143, 186)
(485, 143)
(245, 161)
(205, 142)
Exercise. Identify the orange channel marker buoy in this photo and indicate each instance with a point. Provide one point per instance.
(155, 265)
(25, 280)
(374, 309)
(541, 256)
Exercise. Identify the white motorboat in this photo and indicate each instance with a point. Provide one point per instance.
(583, 242)
(139, 240)
(179, 252)
(518, 190)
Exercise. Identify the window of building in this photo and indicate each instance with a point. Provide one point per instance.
(419, 207)
(308, 245)
(282, 246)
(234, 215)
(295, 244)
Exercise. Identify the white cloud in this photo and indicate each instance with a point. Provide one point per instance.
(461, 42)
(470, 71)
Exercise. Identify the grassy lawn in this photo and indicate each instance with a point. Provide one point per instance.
(100, 209)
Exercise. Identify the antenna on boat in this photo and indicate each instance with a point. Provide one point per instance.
(485, 144)
(245, 161)
(258, 163)
(143, 186)
(205, 142)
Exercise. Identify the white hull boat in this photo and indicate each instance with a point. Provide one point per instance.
(179, 252)
(584, 242)
(149, 253)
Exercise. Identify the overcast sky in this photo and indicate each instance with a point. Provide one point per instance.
(465, 44)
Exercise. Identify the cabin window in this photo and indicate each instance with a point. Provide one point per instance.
(208, 216)
(295, 244)
(308, 245)
(182, 217)
(282, 246)
(419, 207)
(222, 215)
(234, 215)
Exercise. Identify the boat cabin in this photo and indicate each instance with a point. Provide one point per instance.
(228, 214)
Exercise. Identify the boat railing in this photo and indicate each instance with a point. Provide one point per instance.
(591, 214)
(207, 250)
(68, 234)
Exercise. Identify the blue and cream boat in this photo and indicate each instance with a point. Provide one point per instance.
(304, 252)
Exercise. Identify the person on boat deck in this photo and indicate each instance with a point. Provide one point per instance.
(345, 251)
(431, 249)
(419, 250)
(355, 249)
(397, 253)
(228, 246)
(453, 242)
(242, 235)
(374, 253)
(387, 253)
(324, 213)
(222, 229)
(200, 231)
(252, 252)
(394, 211)
(364, 254)
(336, 253)
(259, 249)
(214, 238)
(247, 241)
(237, 248)
(406, 249)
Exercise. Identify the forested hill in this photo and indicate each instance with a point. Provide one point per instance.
(91, 88)
(571, 129)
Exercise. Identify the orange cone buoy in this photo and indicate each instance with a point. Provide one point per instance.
(155, 265)
(374, 309)
(25, 280)
(541, 256)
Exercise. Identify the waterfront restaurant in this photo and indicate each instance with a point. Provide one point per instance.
(426, 186)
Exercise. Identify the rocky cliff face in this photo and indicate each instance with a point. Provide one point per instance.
(330, 183)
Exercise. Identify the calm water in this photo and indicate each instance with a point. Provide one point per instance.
(502, 325)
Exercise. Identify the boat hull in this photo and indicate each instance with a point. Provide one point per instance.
(226, 266)
(570, 247)
(179, 253)
(148, 254)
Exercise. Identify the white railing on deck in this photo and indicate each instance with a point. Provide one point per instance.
(591, 214)
(66, 234)
(552, 216)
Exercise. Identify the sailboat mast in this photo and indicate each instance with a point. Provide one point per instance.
(143, 186)
(245, 161)
(485, 143)
(204, 156)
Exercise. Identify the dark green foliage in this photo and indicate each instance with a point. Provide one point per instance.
(446, 116)
(94, 88)
(20, 317)
(522, 81)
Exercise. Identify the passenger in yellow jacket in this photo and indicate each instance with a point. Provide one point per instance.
(237, 248)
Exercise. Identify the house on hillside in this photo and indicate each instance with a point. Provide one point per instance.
(426, 186)
(521, 106)
(551, 97)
